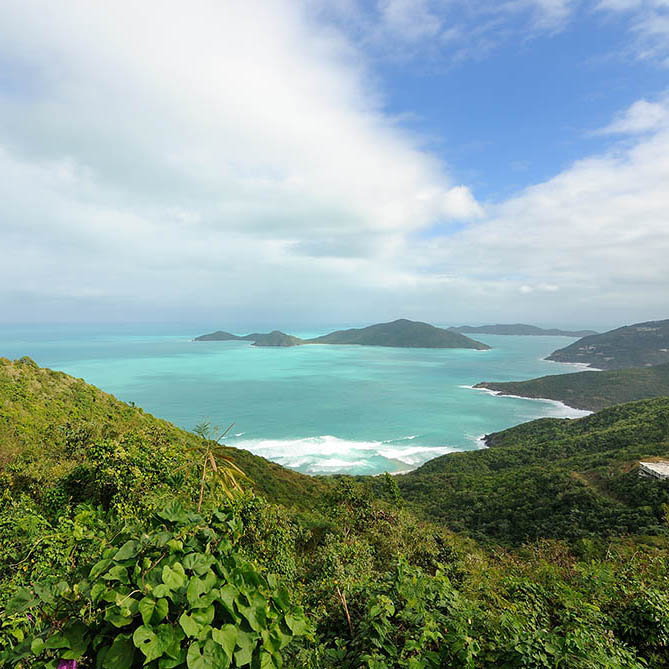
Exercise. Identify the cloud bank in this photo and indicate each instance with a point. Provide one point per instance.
(169, 162)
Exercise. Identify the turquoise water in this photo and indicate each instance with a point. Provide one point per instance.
(317, 409)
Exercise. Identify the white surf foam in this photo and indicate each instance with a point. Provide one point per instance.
(560, 410)
(329, 454)
(582, 366)
(415, 456)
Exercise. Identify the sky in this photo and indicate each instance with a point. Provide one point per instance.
(298, 163)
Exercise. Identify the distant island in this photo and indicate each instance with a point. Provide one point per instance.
(274, 338)
(591, 390)
(637, 345)
(522, 329)
(401, 333)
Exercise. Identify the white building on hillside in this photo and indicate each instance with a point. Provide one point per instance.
(654, 470)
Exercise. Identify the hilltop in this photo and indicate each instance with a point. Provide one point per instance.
(276, 338)
(635, 345)
(219, 335)
(591, 390)
(401, 333)
(522, 329)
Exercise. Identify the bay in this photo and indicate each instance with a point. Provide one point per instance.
(317, 409)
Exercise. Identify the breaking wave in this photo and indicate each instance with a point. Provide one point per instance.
(328, 454)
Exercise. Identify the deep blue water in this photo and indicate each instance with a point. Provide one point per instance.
(318, 409)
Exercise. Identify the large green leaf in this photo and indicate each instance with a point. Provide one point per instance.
(246, 643)
(148, 642)
(118, 617)
(206, 655)
(226, 637)
(174, 577)
(189, 626)
(296, 623)
(170, 637)
(127, 551)
(201, 592)
(203, 616)
(121, 653)
(161, 610)
(146, 607)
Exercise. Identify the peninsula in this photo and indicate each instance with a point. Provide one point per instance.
(591, 390)
(522, 329)
(637, 345)
(401, 333)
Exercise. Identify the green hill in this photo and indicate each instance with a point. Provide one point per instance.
(522, 329)
(106, 560)
(277, 338)
(635, 345)
(401, 333)
(58, 433)
(219, 335)
(274, 338)
(552, 478)
(591, 390)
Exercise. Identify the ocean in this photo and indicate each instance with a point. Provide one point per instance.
(316, 409)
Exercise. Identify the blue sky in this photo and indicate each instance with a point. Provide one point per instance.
(524, 108)
(335, 161)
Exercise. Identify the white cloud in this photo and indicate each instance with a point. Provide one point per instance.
(228, 158)
(642, 116)
(650, 24)
(449, 31)
(593, 239)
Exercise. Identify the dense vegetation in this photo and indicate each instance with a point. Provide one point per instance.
(522, 329)
(591, 390)
(104, 558)
(48, 419)
(553, 477)
(630, 346)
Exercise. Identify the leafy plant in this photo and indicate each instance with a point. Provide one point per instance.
(175, 594)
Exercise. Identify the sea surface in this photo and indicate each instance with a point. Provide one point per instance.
(317, 409)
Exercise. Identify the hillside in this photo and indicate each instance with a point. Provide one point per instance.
(219, 335)
(591, 390)
(635, 345)
(522, 329)
(552, 478)
(50, 423)
(276, 338)
(400, 333)
(106, 559)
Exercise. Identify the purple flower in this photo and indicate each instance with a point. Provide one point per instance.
(67, 664)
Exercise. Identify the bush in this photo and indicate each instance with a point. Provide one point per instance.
(174, 593)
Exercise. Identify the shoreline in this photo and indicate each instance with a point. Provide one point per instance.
(583, 366)
(583, 412)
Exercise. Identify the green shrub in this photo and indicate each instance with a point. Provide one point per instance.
(174, 593)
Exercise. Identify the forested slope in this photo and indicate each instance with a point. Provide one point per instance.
(591, 390)
(114, 554)
(553, 478)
